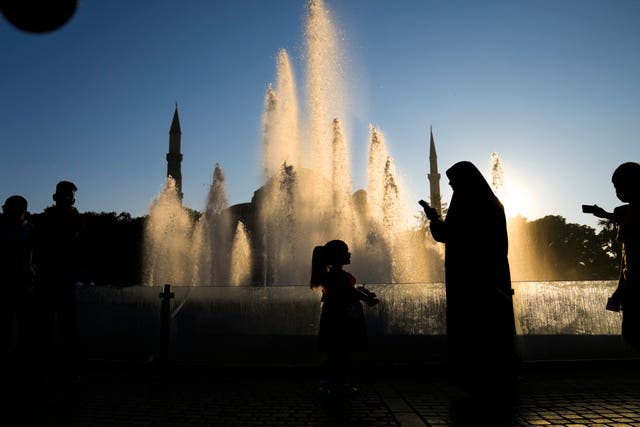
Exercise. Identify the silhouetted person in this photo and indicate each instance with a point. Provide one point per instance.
(480, 318)
(57, 262)
(626, 181)
(16, 280)
(342, 322)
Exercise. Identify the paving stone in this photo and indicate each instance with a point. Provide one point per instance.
(114, 396)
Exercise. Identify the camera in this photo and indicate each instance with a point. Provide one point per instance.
(588, 208)
(369, 297)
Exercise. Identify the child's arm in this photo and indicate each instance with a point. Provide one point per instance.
(366, 295)
(601, 213)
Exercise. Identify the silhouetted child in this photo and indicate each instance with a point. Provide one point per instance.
(626, 181)
(58, 267)
(16, 277)
(342, 322)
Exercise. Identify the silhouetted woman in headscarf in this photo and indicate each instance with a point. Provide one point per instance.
(480, 320)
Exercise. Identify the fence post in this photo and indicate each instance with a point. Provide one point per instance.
(165, 324)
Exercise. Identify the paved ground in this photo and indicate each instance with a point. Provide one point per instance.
(606, 393)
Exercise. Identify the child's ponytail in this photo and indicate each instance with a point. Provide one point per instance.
(319, 266)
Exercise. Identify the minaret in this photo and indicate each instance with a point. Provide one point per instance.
(434, 176)
(174, 157)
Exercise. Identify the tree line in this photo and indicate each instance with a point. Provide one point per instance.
(549, 248)
(557, 250)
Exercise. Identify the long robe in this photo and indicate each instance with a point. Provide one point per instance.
(480, 318)
(342, 321)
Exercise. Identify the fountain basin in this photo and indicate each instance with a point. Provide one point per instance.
(278, 325)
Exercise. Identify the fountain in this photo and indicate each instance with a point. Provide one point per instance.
(305, 201)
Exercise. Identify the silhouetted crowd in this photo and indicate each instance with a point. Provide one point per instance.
(40, 265)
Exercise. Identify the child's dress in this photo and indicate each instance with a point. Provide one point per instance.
(342, 322)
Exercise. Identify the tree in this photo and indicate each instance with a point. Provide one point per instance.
(570, 251)
(113, 245)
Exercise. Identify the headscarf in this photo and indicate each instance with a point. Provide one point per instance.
(475, 220)
(471, 191)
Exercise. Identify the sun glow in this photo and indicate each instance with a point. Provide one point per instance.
(515, 197)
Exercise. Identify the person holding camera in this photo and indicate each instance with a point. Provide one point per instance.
(342, 323)
(480, 318)
(626, 181)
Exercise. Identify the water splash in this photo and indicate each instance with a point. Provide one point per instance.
(497, 174)
(212, 236)
(281, 134)
(325, 83)
(167, 239)
(344, 221)
(378, 155)
(241, 257)
(280, 226)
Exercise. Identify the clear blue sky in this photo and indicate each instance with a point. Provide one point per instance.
(552, 86)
